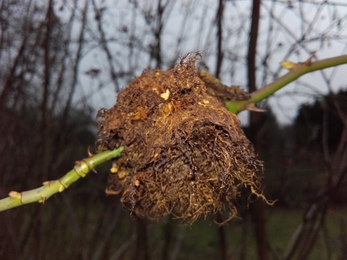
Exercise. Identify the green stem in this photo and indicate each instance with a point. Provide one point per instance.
(49, 188)
(298, 70)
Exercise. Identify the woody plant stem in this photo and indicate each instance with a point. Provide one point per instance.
(296, 70)
(49, 188)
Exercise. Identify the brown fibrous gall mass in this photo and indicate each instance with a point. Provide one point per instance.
(184, 153)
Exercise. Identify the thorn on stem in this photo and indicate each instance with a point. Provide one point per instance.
(43, 200)
(89, 153)
(308, 62)
(252, 107)
(15, 195)
(46, 183)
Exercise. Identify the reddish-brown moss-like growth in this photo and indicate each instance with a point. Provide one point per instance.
(185, 154)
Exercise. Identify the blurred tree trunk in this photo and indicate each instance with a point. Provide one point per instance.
(167, 239)
(219, 20)
(141, 252)
(219, 61)
(257, 207)
(222, 239)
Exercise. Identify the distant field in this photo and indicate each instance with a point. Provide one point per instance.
(83, 230)
(201, 240)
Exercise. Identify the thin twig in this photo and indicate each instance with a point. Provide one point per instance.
(297, 71)
(49, 188)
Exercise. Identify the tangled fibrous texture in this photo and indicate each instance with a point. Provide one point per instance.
(185, 154)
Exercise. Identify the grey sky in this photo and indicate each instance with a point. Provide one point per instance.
(288, 30)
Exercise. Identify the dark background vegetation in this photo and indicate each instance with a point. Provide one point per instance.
(50, 89)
